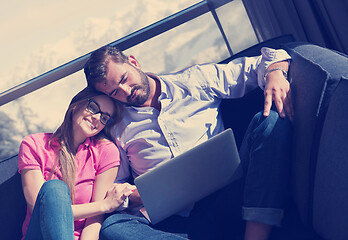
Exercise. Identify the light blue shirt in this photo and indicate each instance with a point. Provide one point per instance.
(189, 111)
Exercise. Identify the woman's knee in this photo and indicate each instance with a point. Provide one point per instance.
(54, 189)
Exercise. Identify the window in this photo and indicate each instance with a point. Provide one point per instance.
(197, 41)
(237, 26)
(63, 34)
(37, 36)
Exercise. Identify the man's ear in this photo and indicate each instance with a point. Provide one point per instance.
(133, 61)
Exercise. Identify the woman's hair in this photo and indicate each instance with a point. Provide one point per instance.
(64, 136)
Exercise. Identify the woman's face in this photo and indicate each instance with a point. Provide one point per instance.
(85, 123)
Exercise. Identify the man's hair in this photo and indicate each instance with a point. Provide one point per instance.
(96, 67)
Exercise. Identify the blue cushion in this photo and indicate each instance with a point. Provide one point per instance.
(315, 73)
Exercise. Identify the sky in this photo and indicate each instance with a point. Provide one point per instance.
(27, 25)
(30, 26)
(40, 35)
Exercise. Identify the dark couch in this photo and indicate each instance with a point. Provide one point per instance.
(319, 179)
(317, 207)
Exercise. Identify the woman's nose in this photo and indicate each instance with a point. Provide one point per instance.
(96, 116)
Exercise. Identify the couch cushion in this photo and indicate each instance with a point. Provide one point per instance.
(330, 205)
(12, 201)
(315, 73)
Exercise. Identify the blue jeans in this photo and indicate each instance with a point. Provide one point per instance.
(266, 156)
(128, 227)
(52, 217)
(261, 193)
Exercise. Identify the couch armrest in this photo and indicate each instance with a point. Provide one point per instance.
(12, 201)
(315, 73)
(330, 205)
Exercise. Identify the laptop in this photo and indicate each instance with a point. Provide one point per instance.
(177, 183)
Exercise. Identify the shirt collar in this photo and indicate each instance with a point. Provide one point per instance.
(162, 96)
(87, 143)
(164, 89)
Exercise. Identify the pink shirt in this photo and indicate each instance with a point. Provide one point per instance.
(92, 158)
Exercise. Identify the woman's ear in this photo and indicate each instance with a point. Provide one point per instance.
(75, 108)
(134, 62)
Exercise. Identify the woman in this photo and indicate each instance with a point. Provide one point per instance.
(85, 163)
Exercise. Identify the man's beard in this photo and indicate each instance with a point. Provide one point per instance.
(143, 91)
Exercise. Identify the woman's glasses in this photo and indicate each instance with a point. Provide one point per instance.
(94, 108)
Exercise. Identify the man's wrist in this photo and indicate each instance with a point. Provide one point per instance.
(285, 73)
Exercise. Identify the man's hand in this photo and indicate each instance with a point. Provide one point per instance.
(277, 90)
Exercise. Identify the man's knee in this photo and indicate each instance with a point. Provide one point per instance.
(118, 226)
(271, 118)
(273, 122)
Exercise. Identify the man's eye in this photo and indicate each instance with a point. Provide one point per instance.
(123, 79)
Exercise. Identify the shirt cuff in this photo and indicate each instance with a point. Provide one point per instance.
(268, 57)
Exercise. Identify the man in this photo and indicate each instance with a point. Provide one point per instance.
(169, 114)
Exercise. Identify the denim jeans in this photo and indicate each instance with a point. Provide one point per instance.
(129, 227)
(52, 217)
(260, 194)
(266, 156)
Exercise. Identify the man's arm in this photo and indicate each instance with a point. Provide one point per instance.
(123, 176)
(242, 75)
(277, 89)
(275, 85)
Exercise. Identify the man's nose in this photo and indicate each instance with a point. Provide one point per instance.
(125, 89)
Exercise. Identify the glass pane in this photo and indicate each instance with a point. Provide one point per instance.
(237, 26)
(37, 36)
(39, 111)
(197, 41)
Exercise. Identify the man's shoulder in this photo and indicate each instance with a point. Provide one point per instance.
(189, 70)
(191, 77)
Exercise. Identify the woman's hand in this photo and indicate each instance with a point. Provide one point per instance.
(116, 195)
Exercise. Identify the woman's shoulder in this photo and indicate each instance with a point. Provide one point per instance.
(38, 138)
(35, 145)
(103, 145)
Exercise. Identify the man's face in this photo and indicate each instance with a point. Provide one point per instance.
(127, 83)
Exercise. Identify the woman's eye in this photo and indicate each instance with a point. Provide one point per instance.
(94, 108)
